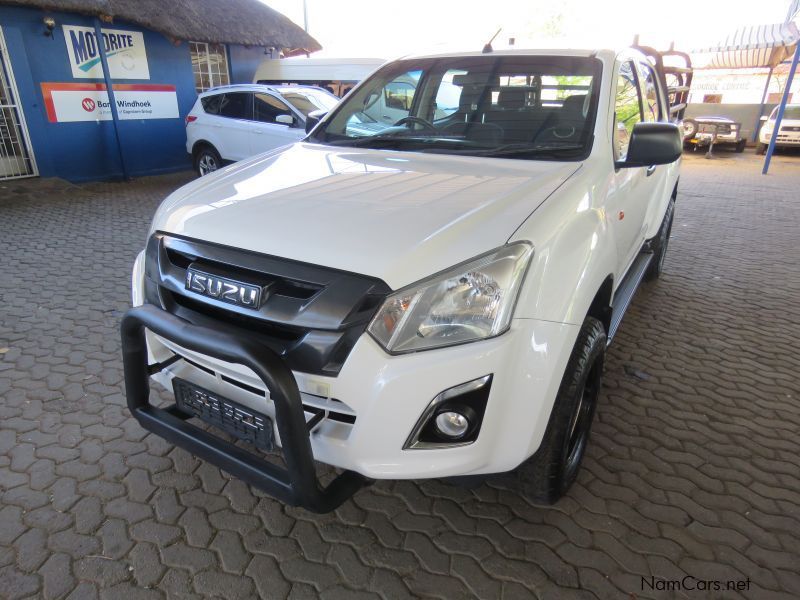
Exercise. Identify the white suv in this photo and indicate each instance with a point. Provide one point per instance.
(789, 135)
(431, 296)
(233, 122)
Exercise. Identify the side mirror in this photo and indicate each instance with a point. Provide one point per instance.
(314, 117)
(653, 144)
(764, 118)
(285, 120)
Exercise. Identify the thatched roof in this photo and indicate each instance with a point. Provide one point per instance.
(246, 22)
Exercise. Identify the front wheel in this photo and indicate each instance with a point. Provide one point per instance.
(740, 146)
(761, 148)
(547, 476)
(207, 160)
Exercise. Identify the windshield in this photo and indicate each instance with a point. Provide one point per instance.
(513, 106)
(309, 99)
(791, 113)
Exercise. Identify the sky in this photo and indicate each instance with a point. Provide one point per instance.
(370, 28)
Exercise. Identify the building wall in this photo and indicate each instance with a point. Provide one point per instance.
(740, 86)
(244, 61)
(82, 151)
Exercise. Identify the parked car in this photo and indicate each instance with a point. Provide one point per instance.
(789, 135)
(233, 122)
(702, 132)
(431, 297)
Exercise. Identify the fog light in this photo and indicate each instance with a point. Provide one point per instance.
(452, 424)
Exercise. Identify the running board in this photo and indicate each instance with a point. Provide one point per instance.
(626, 290)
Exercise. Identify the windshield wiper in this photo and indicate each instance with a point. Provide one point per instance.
(365, 140)
(395, 139)
(516, 149)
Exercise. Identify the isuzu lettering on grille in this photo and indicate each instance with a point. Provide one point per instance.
(224, 289)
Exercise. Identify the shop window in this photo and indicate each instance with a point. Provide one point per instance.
(776, 98)
(712, 99)
(210, 65)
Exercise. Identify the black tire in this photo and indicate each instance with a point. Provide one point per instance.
(206, 160)
(660, 244)
(549, 473)
(690, 128)
(761, 148)
(740, 146)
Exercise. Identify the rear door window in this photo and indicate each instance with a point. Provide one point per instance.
(211, 104)
(236, 105)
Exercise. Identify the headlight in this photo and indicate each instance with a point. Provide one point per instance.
(472, 301)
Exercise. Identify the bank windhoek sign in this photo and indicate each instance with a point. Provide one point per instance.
(127, 58)
(71, 102)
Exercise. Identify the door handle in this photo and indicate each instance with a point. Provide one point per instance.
(650, 170)
(258, 131)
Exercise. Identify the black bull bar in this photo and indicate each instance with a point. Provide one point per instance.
(297, 484)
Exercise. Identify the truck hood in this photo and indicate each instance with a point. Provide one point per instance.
(397, 216)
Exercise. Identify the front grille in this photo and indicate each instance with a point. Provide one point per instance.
(312, 315)
(721, 129)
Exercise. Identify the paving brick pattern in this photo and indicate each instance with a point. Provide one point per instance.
(693, 467)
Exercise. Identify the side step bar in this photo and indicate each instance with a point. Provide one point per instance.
(626, 290)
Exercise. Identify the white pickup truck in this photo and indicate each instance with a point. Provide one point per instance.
(421, 297)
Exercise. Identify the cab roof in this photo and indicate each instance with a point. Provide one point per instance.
(588, 53)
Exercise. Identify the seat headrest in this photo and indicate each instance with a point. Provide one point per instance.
(574, 104)
(511, 99)
(475, 79)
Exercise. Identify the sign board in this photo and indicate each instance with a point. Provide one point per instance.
(72, 102)
(125, 52)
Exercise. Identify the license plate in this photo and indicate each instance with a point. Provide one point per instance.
(227, 415)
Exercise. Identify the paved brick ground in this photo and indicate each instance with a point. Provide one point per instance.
(693, 468)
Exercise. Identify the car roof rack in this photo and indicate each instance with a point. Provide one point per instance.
(675, 78)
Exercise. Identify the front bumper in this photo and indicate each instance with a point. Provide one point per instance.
(296, 484)
(785, 138)
(704, 139)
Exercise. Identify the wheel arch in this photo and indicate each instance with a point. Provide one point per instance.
(200, 144)
(600, 308)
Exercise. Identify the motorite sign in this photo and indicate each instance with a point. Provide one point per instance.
(125, 52)
(71, 102)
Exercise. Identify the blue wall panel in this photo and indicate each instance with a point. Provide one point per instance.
(87, 150)
(243, 62)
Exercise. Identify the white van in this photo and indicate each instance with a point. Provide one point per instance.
(337, 75)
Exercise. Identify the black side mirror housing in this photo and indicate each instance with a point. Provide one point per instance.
(653, 144)
(314, 117)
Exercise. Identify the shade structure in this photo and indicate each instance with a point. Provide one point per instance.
(754, 46)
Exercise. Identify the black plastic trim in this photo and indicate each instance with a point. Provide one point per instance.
(297, 484)
(312, 317)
